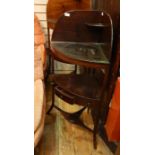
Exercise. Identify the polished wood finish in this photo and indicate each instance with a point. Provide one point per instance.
(80, 30)
(81, 82)
(62, 58)
(56, 8)
(113, 8)
(84, 89)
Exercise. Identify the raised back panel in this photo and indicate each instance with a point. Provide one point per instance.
(84, 26)
(56, 8)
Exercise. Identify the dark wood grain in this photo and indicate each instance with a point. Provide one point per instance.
(79, 31)
(83, 89)
(55, 8)
(113, 8)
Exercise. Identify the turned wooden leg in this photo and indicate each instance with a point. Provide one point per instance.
(95, 112)
(48, 70)
(75, 71)
(96, 124)
(49, 64)
(53, 99)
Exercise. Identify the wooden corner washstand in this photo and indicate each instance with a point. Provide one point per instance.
(83, 38)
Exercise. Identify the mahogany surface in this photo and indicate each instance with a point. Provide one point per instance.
(79, 31)
(86, 88)
(82, 58)
(113, 8)
(82, 85)
(55, 8)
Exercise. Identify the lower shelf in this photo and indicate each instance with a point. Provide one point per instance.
(82, 85)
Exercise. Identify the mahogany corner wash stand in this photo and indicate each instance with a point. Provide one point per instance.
(83, 38)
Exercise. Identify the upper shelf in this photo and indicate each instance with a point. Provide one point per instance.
(97, 25)
(88, 52)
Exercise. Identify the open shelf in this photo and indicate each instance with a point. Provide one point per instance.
(97, 25)
(82, 85)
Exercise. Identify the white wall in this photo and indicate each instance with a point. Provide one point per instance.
(40, 11)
